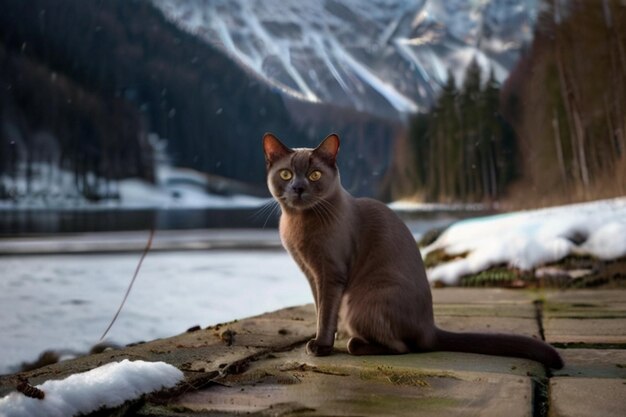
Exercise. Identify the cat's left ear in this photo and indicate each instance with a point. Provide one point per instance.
(328, 149)
(274, 149)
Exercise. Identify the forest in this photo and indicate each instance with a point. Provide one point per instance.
(463, 149)
(554, 132)
(86, 83)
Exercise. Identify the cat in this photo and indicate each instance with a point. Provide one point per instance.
(363, 265)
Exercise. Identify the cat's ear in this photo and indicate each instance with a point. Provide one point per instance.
(274, 149)
(328, 149)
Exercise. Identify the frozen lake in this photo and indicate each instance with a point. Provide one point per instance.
(65, 302)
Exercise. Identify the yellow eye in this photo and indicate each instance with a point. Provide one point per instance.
(285, 174)
(315, 175)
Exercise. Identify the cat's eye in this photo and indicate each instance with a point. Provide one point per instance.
(315, 175)
(285, 174)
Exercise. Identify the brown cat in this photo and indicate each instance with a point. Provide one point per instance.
(363, 265)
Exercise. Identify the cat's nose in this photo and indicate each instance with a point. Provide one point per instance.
(298, 186)
(299, 189)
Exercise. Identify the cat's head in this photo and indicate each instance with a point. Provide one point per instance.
(301, 178)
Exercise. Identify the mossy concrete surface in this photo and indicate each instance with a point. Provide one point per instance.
(590, 328)
(343, 385)
(258, 365)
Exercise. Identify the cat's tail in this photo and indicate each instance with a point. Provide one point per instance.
(500, 345)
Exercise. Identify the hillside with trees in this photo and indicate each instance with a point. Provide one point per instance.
(92, 79)
(555, 133)
(567, 101)
(463, 149)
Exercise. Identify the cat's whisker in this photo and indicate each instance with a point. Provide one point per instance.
(327, 208)
(319, 212)
(275, 210)
(261, 211)
(326, 215)
(316, 209)
(267, 210)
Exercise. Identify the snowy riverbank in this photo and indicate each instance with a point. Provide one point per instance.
(529, 239)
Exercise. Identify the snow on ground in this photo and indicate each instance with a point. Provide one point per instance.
(175, 188)
(412, 206)
(528, 239)
(64, 302)
(135, 193)
(107, 386)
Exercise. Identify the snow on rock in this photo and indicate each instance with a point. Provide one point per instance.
(527, 239)
(107, 386)
(385, 57)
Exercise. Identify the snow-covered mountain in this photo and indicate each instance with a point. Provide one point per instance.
(386, 57)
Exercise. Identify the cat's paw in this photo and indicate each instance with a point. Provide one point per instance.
(312, 348)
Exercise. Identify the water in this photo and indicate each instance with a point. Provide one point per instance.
(50, 221)
(65, 302)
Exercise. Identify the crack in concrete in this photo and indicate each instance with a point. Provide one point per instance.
(539, 318)
(541, 385)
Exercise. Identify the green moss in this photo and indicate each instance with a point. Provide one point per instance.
(499, 276)
(600, 273)
(401, 376)
(440, 256)
(430, 236)
(258, 376)
(583, 311)
(574, 262)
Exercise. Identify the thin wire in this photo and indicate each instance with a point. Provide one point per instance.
(132, 281)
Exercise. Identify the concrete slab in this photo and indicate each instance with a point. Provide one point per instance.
(589, 331)
(584, 397)
(593, 363)
(343, 385)
(437, 362)
(524, 310)
(595, 310)
(586, 296)
(524, 326)
(481, 296)
(586, 304)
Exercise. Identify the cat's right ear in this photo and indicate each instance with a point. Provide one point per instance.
(274, 149)
(328, 149)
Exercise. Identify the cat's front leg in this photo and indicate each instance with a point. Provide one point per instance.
(330, 293)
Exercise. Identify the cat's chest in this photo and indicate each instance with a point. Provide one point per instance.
(305, 238)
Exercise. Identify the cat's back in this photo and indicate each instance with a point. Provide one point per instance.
(376, 214)
(387, 249)
(382, 226)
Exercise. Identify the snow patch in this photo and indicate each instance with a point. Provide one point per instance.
(107, 386)
(528, 239)
(415, 207)
(176, 188)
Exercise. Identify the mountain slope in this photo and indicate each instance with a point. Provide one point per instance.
(386, 57)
